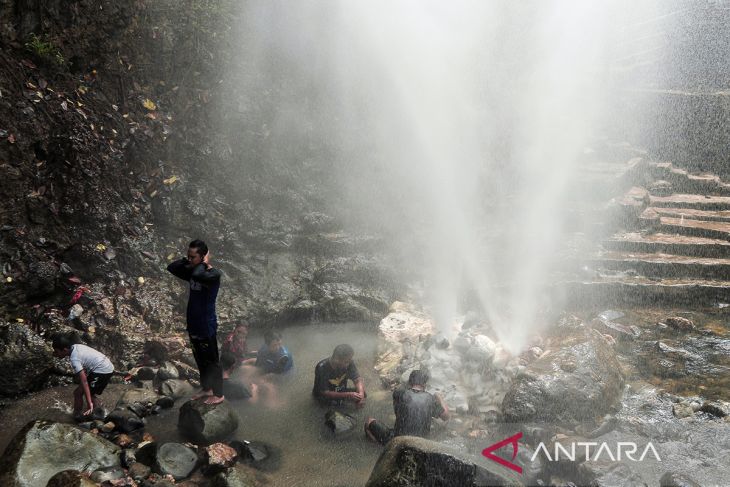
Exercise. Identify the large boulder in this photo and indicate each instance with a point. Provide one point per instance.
(43, 448)
(570, 385)
(408, 461)
(25, 359)
(207, 423)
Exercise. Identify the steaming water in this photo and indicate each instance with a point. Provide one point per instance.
(310, 455)
(453, 128)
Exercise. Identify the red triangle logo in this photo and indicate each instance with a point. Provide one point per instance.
(487, 452)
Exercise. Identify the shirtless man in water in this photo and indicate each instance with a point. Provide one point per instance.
(201, 318)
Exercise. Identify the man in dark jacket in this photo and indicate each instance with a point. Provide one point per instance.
(201, 318)
(414, 408)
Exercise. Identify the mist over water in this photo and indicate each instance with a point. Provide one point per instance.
(453, 129)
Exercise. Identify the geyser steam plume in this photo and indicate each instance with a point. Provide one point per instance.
(454, 128)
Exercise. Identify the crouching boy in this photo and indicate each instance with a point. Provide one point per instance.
(92, 367)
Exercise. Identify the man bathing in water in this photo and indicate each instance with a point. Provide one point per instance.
(414, 408)
(202, 323)
(331, 376)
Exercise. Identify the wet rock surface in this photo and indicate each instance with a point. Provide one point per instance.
(176, 460)
(25, 358)
(207, 423)
(410, 462)
(573, 384)
(42, 449)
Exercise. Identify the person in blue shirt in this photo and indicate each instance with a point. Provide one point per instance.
(273, 357)
(202, 323)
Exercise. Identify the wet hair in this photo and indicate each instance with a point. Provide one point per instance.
(271, 335)
(62, 342)
(343, 351)
(227, 361)
(418, 378)
(199, 247)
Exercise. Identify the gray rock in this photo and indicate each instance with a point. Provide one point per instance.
(167, 371)
(137, 395)
(207, 423)
(25, 359)
(683, 410)
(571, 385)
(408, 461)
(600, 474)
(43, 448)
(176, 388)
(672, 479)
(176, 460)
(107, 473)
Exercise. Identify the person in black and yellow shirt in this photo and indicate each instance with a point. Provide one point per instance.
(331, 377)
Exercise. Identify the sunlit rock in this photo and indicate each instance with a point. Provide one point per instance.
(572, 384)
(408, 461)
(43, 448)
(207, 422)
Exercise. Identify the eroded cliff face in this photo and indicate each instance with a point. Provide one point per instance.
(112, 162)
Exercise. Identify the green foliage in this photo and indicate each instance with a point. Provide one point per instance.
(44, 50)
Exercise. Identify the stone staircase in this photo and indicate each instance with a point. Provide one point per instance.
(675, 244)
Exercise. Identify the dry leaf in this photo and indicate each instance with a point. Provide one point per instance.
(171, 180)
(149, 104)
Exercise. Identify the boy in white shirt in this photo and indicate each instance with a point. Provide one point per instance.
(93, 368)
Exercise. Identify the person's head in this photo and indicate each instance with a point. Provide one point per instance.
(273, 340)
(418, 378)
(61, 346)
(227, 361)
(197, 250)
(241, 330)
(342, 356)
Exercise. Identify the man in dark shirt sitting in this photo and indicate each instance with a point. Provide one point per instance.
(201, 318)
(331, 376)
(414, 408)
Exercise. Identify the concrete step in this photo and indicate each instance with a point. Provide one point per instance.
(695, 228)
(663, 265)
(623, 290)
(666, 243)
(691, 214)
(683, 181)
(694, 201)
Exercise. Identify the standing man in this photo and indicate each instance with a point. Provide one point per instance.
(201, 319)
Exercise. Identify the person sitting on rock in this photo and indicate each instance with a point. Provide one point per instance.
(414, 408)
(93, 368)
(331, 376)
(235, 388)
(273, 357)
(235, 344)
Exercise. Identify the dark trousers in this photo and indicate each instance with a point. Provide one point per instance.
(205, 351)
